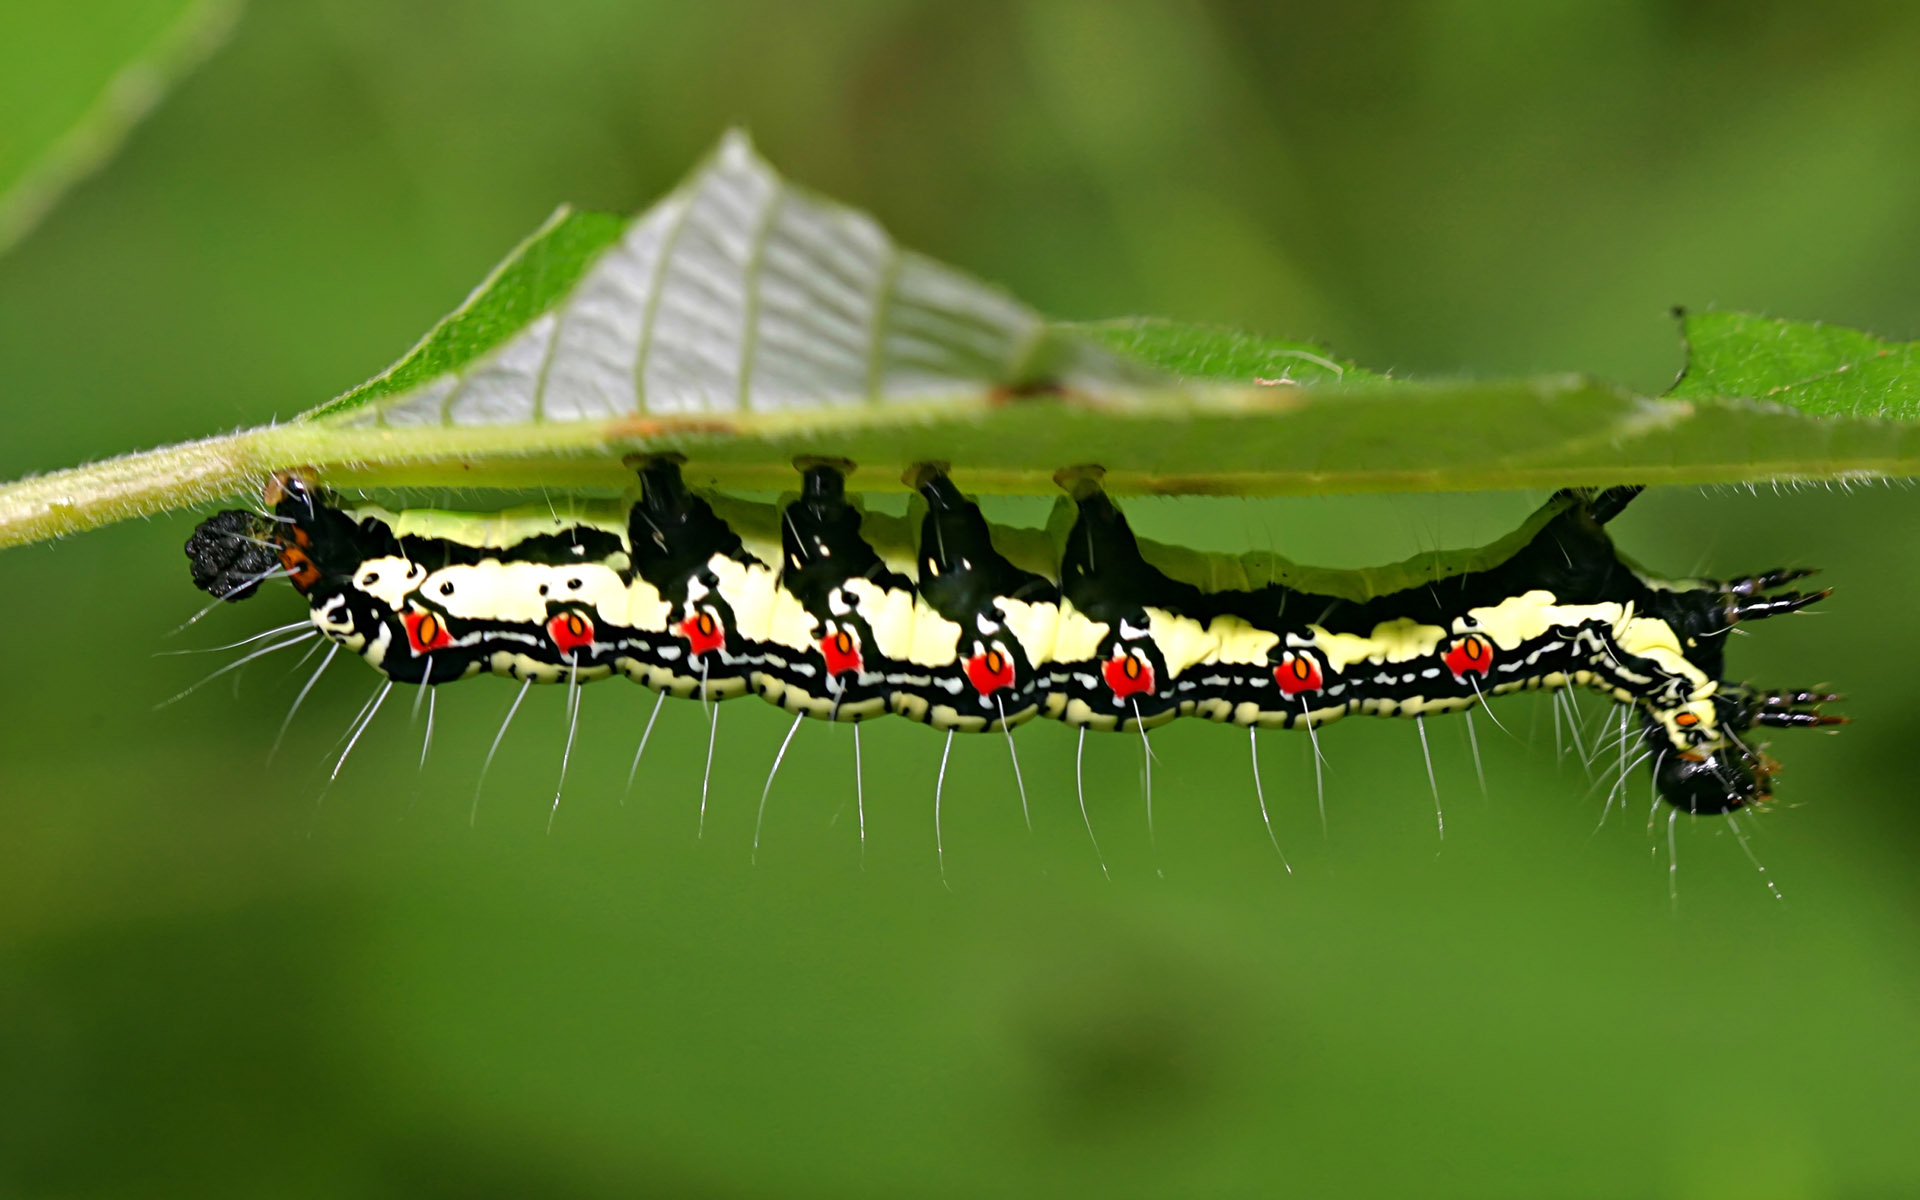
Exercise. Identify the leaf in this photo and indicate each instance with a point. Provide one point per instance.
(538, 273)
(1224, 355)
(743, 322)
(74, 78)
(737, 296)
(1827, 370)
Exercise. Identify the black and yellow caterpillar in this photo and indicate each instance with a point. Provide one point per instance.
(983, 628)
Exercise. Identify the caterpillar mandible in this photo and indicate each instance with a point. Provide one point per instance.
(969, 627)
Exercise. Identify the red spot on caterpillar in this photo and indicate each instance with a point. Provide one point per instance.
(293, 557)
(300, 568)
(426, 632)
(842, 652)
(1470, 655)
(1298, 674)
(570, 631)
(990, 672)
(703, 632)
(1127, 674)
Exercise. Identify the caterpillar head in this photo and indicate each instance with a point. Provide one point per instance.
(1709, 778)
(300, 536)
(304, 538)
(1706, 763)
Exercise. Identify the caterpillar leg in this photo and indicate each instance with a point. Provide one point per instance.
(710, 599)
(1001, 619)
(1605, 505)
(841, 613)
(1111, 670)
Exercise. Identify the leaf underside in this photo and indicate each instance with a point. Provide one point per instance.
(743, 322)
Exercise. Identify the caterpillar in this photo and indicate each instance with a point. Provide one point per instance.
(976, 628)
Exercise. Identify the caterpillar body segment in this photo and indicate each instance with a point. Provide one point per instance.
(703, 597)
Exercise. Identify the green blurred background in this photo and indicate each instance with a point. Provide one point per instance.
(219, 976)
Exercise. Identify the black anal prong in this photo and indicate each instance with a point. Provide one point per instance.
(1789, 708)
(1753, 585)
(1775, 719)
(1760, 607)
(1784, 699)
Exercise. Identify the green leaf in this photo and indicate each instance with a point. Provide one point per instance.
(743, 322)
(74, 78)
(1222, 355)
(1827, 370)
(738, 297)
(539, 272)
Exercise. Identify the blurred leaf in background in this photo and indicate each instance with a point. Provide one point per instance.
(217, 974)
(75, 77)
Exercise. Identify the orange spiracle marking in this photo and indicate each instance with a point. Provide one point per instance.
(570, 631)
(1298, 674)
(841, 651)
(300, 568)
(703, 632)
(426, 632)
(1127, 674)
(1470, 655)
(293, 556)
(990, 672)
